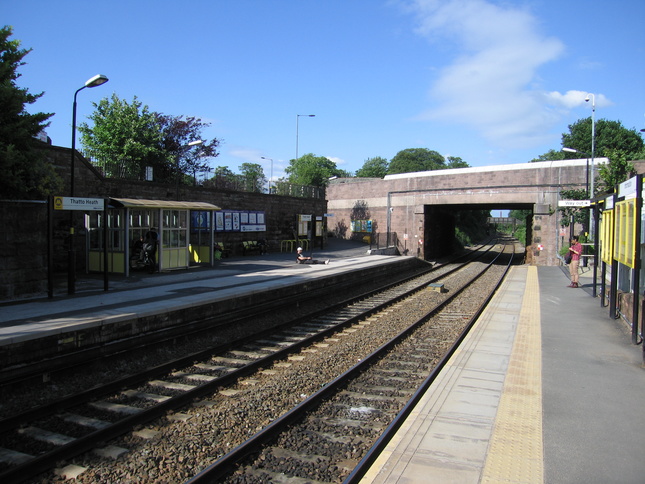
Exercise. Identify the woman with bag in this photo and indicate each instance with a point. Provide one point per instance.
(575, 251)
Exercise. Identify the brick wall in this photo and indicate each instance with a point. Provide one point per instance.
(23, 248)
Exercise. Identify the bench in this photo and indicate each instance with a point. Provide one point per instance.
(253, 246)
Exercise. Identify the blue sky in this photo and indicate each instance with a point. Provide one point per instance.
(493, 82)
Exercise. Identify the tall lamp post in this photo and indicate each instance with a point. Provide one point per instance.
(589, 190)
(71, 254)
(593, 138)
(271, 177)
(571, 150)
(297, 119)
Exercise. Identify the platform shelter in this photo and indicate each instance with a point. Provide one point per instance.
(185, 233)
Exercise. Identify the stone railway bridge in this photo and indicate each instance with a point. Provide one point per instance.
(420, 207)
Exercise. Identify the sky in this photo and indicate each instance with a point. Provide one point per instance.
(492, 82)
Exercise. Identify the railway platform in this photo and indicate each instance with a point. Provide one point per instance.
(545, 388)
(144, 296)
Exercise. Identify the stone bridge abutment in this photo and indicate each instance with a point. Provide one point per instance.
(418, 207)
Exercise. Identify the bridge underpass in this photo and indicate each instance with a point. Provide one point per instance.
(415, 209)
(441, 223)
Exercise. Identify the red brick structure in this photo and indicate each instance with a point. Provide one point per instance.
(23, 253)
(416, 207)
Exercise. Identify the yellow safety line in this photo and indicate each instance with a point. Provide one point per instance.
(516, 452)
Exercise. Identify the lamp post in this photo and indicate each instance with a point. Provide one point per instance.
(571, 150)
(189, 145)
(297, 119)
(593, 137)
(92, 82)
(271, 177)
(97, 80)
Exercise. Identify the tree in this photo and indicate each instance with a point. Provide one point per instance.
(24, 173)
(253, 177)
(125, 139)
(609, 135)
(223, 178)
(416, 159)
(579, 215)
(551, 155)
(456, 162)
(618, 170)
(373, 168)
(177, 133)
(311, 170)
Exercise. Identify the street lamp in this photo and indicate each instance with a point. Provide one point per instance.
(189, 145)
(571, 150)
(297, 119)
(593, 136)
(92, 82)
(271, 177)
(97, 80)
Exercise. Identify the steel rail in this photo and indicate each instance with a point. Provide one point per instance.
(226, 463)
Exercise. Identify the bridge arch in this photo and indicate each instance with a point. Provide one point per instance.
(417, 207)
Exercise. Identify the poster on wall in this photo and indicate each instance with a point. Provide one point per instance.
(199, 221)
(361, 226)
(240, 221)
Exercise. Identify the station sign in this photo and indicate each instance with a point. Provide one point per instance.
(574, 203)
(78, 203)
(627, 189)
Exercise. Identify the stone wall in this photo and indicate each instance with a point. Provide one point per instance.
(23, 252)
(23, 248)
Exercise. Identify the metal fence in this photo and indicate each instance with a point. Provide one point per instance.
(124, 171)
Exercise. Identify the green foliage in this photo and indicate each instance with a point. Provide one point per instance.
(311, 170)
(551, 155)
(520, 234)
(618, 170)
(520, 214)
(416, 159)
(462, 238)
(456, 162)
(177, 133)
(609, 136)
(579, 215)
(471, 225)
(24, 173)
(253, 177)
(373, 168)
(127, 137)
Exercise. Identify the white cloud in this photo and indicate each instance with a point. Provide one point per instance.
(339, 161)
(488, 84)
(574, 99)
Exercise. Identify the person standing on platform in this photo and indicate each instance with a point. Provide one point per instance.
(150, 247)
(576, 252)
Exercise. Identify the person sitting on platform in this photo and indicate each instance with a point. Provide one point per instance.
(303, 259)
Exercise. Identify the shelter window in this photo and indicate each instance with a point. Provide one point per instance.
(175, 228)
(95, 225)
(141, 220)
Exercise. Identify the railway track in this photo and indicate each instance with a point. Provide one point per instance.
(85, 421)
(334, 435)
